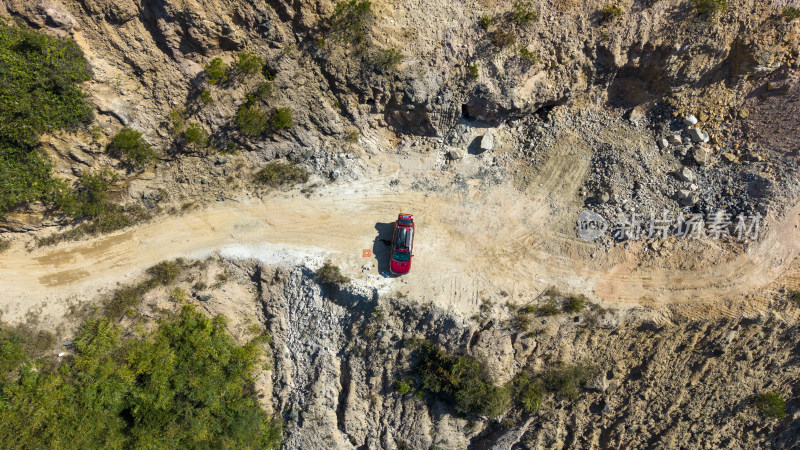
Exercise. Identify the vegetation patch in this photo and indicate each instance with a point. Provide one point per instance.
(216, 71)
(249, 64)
(350, 20)
(610, 12)
(473, 71)
(129, 146)
(331, 276)
(40, 93)
(252, 120)
(388, 59)
(282, 118)
(523, 13)
(790, 13)
(709, 9)
(278, 174)
(503, 38)
(771, 404)
(185, 385)
(460, 380)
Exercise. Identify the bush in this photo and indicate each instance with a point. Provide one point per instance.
(567, 380)
(88, 199)
(523, 13)
(388, 59)
(402, 387)
(350, 20)
(205, 97)
(530, 58)
(709, 9)
(528, 391)
(352, 135)
(503, 38)
(129, 146)
(790, 13)
(331, 276)
(252, 120)
(278, 174)
(282, 118)
(772, 405)
(113, 218)
(4, 245)
(164, 272)
(196, 135)
(575, 304)
(249, 64)
(186, 384)
(40, 93)
(216, 71)
(462, 381)
(486, 21)
(610, 12)
(549, 308)
(472, 71)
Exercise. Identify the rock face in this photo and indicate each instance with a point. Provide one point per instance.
(336, 357)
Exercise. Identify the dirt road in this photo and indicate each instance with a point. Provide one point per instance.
(469, 246)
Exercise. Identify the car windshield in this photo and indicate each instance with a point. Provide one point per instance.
(401, 256)
(406, 222)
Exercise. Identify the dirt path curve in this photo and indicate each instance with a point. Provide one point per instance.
(469, 246)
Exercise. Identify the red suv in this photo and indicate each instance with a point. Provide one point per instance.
(402, 244)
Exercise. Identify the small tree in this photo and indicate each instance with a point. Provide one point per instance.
(331, 276)
(196, 135)
(252, 120)
(523, 13)
(249, 64)
(217, 71)
(282, 118)
(129, 146)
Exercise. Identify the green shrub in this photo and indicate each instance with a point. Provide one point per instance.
(88, 199)
(549, 308)
(165, 272)
(575, 304)
(567, 380)
(503, 38)
(186, 384)
(486, 21)
(282, 118)
(402, 387)
(130, 146)
(460, 380)
(196, 135)
(249, 64)
(330, 275)
(772, 405)
(40, 92)
(530, 58)
(790, 13)
(216, 71)
(524, 319)
(252, 120)
(528, 391)
(113, 218)
(388, 59)
(350, 20)
(709, 9)
(205, 97)
(610, 12)
(4, 245)
(263, 91)
(40, 76)
(472, 71)
(278, 174)
(523, 13)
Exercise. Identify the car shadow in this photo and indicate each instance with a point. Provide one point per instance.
(382, 246)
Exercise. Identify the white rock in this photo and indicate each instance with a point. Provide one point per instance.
(663, 143)
(690, 120)
(697, 135)
(487, 142)
(675, 139)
